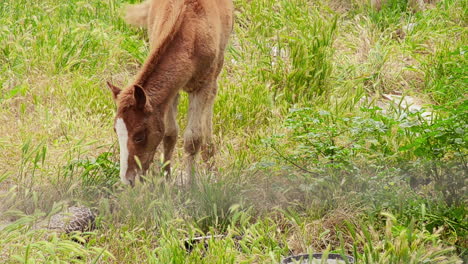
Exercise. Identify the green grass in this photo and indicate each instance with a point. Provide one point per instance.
(304, 164)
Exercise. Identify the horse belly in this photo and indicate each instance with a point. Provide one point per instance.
(212, 29)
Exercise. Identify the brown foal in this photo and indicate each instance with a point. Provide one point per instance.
(187, 40)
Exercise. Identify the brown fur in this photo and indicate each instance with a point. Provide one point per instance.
(187, 40)
(137, 15)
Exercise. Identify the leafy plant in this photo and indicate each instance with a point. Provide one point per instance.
(101, 171)
(443, 145)
(322, 137)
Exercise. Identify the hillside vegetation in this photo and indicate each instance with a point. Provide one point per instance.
(318, 149)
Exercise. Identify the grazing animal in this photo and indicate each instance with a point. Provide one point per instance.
(187, 42)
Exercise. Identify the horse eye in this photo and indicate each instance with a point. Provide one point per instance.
(140, 137)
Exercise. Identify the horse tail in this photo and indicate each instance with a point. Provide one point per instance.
(137, 15)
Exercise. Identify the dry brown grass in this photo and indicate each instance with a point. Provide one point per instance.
(329, 231)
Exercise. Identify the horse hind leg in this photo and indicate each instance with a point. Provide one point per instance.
(208, 148)
(194, 135)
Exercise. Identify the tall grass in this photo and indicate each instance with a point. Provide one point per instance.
(306, 162)
(295, 59)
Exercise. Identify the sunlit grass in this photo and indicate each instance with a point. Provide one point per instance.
(302, 164)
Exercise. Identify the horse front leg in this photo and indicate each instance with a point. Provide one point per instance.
(170, 134)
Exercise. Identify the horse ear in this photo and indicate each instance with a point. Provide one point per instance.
(140, 98)
(115, 90)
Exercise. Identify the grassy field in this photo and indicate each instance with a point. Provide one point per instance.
(312, 156)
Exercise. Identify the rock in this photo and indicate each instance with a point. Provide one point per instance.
(390, 102)
(77, 218)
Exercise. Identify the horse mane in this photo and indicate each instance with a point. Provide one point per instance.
(166, 24)
(166, 21)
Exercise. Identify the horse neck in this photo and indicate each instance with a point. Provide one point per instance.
(155, 80)
(159, 90)
(159, 80)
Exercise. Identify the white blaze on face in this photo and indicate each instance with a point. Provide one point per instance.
(122, 135)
